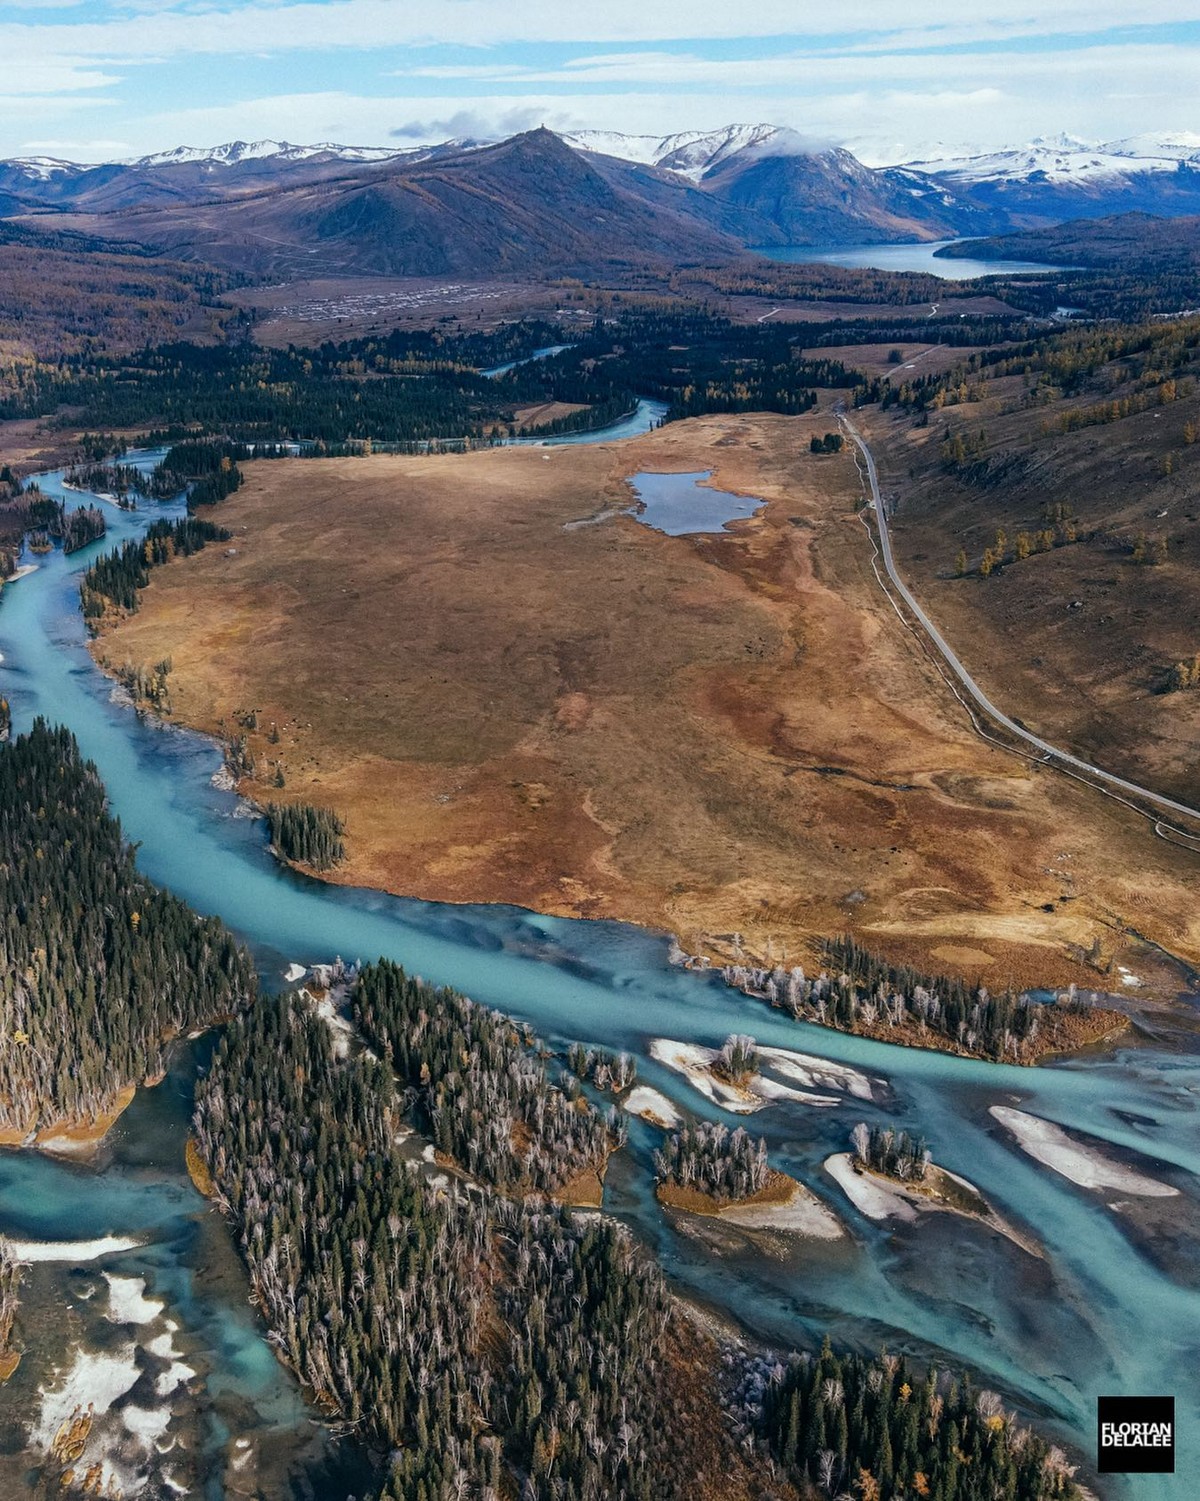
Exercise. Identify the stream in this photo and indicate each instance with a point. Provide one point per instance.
(1114, 1307)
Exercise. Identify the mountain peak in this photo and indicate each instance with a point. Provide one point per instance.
(689, 153)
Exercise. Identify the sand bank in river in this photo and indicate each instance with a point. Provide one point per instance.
(756, 1091)
(883, 1198)
(783, 1204)
(1081, 1162)
(72, 1250)
(651, 1106)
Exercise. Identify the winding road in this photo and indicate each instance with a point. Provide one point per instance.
(1051, 752)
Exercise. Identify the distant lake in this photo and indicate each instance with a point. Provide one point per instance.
(899, 258)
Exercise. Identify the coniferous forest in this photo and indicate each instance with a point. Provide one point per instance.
(412, 388)
(99, 968)
(876, 1429)
(489, 1346)
(483, 1095)
(866, 993)
(306, 834)
(709, 1158)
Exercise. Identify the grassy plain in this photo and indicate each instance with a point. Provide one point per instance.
(510, 691)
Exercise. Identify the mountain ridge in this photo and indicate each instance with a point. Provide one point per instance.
(425, 210)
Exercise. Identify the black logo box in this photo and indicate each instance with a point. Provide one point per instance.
(1135, 1435)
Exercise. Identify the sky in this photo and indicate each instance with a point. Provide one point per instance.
(95, 80)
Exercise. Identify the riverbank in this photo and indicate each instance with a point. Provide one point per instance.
(1063, 1029)
(1108, 1314)
(70, 1138)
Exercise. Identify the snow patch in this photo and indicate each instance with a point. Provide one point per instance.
(96, 1380)
(652, 1106)
(127, 1303)
(72, 1250)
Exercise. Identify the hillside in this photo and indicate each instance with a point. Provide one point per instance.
(1082, 450)
(63, 293)
(1133, 241)
(830, 197)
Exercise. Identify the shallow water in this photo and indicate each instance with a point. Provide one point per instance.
(545, 353)
(915, 257)
(644, 418)
(1098, 1316)
(681, 504)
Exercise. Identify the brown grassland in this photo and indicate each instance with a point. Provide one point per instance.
(705, 735)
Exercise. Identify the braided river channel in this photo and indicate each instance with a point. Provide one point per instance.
(1112, 1305)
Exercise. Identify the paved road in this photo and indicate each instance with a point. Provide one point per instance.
(1132, 789)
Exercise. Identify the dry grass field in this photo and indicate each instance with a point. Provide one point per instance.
(705, 734)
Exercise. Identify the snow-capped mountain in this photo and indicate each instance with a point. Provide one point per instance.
(757, 184)
(1066, 160)
(43, 168)
(691, 153)
(233, 153)
(1051, 180)
(1179, 145)
(191, 173)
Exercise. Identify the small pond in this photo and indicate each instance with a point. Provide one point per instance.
(680, 504)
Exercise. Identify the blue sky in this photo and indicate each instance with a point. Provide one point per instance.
(95, 79)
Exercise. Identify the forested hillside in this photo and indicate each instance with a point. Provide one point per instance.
(63, 293)
(99, 969)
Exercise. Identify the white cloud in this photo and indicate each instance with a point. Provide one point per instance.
(825, 70)
(163, 31)
(870, 74)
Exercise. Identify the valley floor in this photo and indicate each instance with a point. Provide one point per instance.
(709, 735)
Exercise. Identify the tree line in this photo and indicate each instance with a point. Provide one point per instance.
(115, 580)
